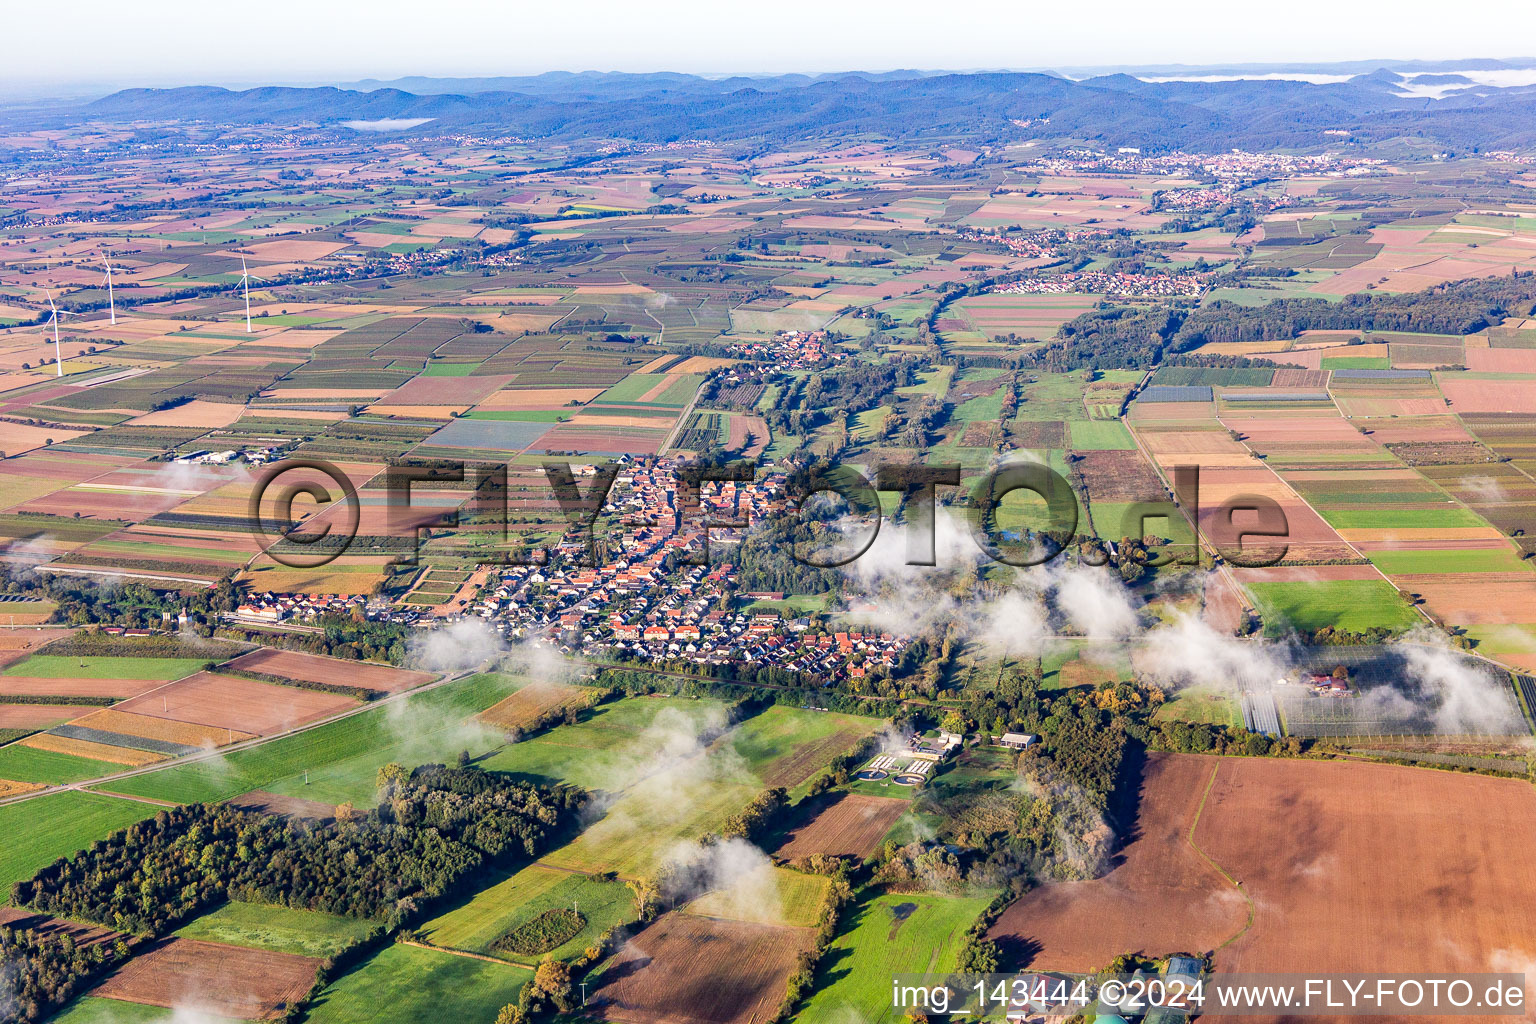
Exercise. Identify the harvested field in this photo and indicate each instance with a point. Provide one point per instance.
(852, 825)
(229, 702)
(262, 802)
(249, 984)
(1349, 867)
(686, 969)
(1419, 870)
(532, 702)
(1160, 897)
(187, 734)
(313, 668)
(9, 788)
(95, 751)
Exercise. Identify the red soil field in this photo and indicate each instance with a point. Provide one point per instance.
(1363, 867)
(1346, 866)
(50, 687)
(1476, 601)
(853, 826)
(36, 716)
(229, 702)
(1223, 609)
(1489, 395)
(313, 668)
(1501, 360)
(1161, 897)
(685, 969)
(230, 981)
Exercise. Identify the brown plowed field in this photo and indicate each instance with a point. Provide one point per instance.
(686, 969)
(527, 705)
(36, 716)
(229, 702)
(313, 668)
(1161, 896)
(48, 686)
(851, 826)
(230, 981)
(1349, 867)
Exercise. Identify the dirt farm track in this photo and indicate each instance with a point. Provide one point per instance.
(1343, 866)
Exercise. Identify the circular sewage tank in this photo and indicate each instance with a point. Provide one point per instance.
(871, 775)
(908, 780)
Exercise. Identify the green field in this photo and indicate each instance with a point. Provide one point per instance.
(279, 929)
(885, 936)
(654, 815)
(779, 746)
(606, 746)
(1344, 604)
(410, 985)
(1200, 705)
(24, 764)
(1448, 518)
(1399, 563)
(38, 832)
(96, 1010)
(341, 758)
(1099, 436)
(61, 666)
(521, 897)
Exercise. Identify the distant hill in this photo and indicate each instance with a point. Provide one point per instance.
(1113, 109)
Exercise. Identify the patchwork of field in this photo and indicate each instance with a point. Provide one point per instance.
(235, 703)
(316, 669)
(338, 761)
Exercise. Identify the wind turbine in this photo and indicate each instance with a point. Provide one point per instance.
(111, 303)
(58, 358)
(245, 279)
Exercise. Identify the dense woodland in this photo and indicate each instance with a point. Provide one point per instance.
(431, 831)
(1138, 338)
(39, 972)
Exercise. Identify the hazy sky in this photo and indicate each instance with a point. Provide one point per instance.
(176, 42)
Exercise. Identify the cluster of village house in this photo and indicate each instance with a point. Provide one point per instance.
(270, 608)
(1100, 282)
(790, 350)
(1236, 163)
(1046, 243)
(645, 597)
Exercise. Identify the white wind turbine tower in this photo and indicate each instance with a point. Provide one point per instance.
(111, 302)
(245, 279)
(58, 358)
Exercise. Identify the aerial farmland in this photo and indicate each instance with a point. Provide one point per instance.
(664, 549)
